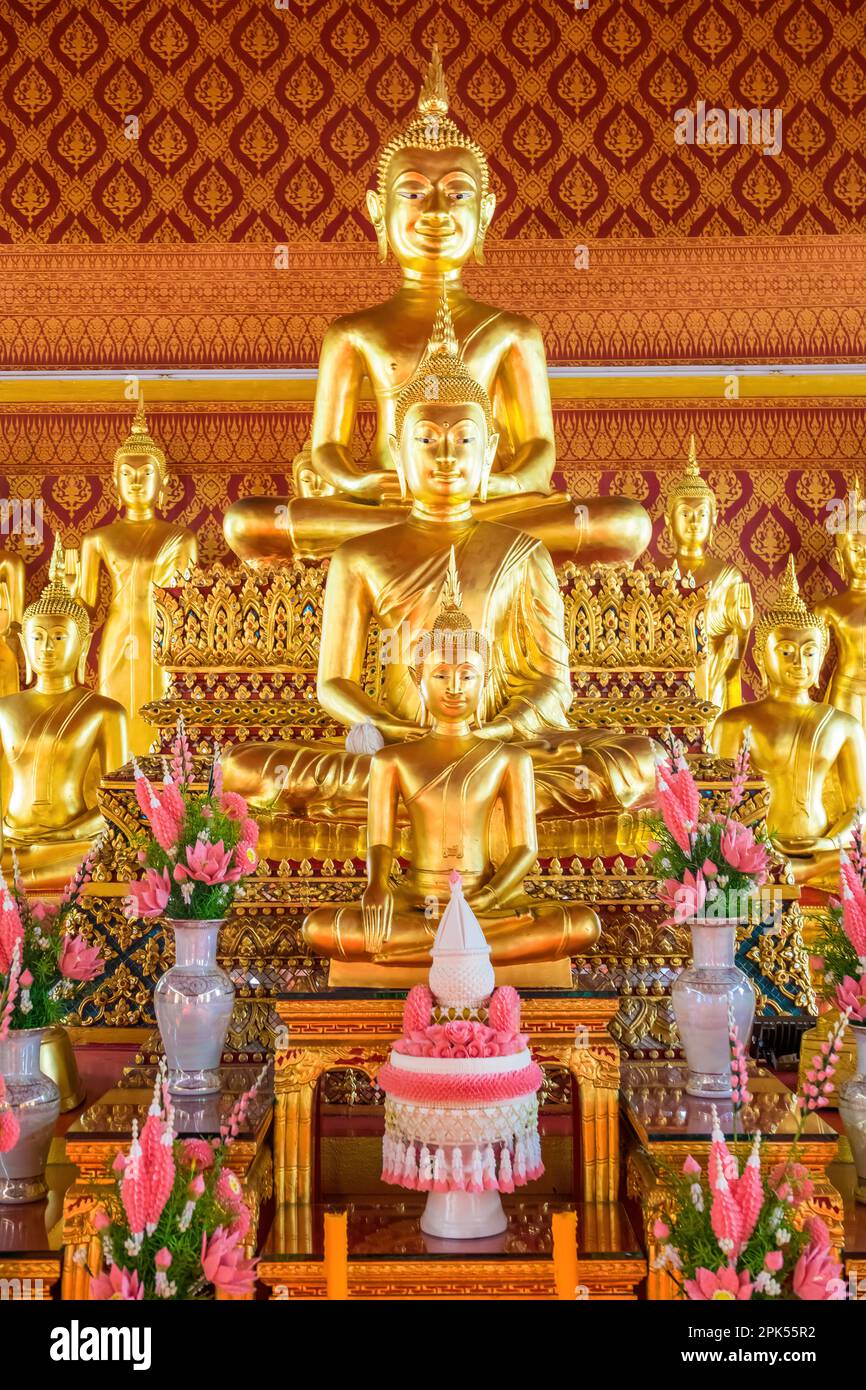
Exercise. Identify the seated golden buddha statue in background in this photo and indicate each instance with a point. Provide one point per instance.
(11, 612)
(691, 513)
(394, 577)
(845, 616)
(57, 739)
(138, 550)
(432, 207)
(797, 742)
(450, 782)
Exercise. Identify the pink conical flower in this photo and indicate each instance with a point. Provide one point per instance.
(11, 928)
(149, 1174)
(721, 1161)
(748, 1192)
(670, 800)
(161, 813)
(726, 1219)
(182, 765)
(853, 905)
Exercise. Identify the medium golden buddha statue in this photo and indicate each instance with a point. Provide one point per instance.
(11, 612)
(798, 744)
(57, 738)
(394, 577)
(138, 550)
(432, 207)
(845, 616)
(691, 513)
(450, 782)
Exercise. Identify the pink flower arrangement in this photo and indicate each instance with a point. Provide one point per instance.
(178, 1219)
(54, 961)
(841, 945)
(199, 845)
(708, 865)
(765, 1244)
(460, 1038)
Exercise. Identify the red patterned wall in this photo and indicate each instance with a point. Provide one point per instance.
(259, 123)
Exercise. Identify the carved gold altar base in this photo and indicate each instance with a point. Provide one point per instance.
(356, 1029)
(94, 1139)
(28, 1278)
(662, 1126)
(387, 1254)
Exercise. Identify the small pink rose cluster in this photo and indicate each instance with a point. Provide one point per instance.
(460, 1038)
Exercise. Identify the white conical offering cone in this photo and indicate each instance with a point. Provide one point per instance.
(461, 975)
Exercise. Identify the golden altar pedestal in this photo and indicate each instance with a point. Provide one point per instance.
(31, 1239)
(355, 1029)
(391, 1258)
(663, 1125)
(94, 1138)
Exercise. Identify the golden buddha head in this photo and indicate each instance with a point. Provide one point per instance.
(691, 510)
(140, 468)
(790, 640)
(55, 629)
(850, 542)
(433, 204)
(449, 663)
(446, 438)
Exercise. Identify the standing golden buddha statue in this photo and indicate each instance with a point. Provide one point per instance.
(394, 577)
(451, 781)
(845, 615)
(11, 612)
(691, 514)
(433, 207)
(138, 550)
(800, 746)
(57, 739)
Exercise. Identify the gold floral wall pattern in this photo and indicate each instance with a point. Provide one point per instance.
(257, 123)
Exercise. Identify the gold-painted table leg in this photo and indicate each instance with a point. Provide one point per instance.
(595, 1070)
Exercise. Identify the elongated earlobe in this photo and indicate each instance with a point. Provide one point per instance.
(376, 214)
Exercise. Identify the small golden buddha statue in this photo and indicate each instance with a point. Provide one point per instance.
(432, 207)
(691, 513)
(138, 550)
(845, 616)
(798, 744)
(450, 782)
(394, 577)
(11, 612)
(57, 738)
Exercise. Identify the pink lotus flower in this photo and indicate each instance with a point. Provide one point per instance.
(683, 900)
(817, 1276)
(148, 897)
(117, 1283)
(206, 862)
(162, 1259)
(224, 1265)
(691, 1167)
(851, 996)
(773, 1261)
(78, 961)
(742, 851)
(724, 1284)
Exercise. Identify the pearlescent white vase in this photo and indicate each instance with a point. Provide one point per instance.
(34, 1100)
(704, 995)
(852, 1109)
(193, 1002)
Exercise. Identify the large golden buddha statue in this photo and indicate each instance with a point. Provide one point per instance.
(845, 616)
(57, 739)
(394, 578)
(11, 612)
(691, 514)
(138, 550)
(450, 782)
(800, 746)
(432, 207)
